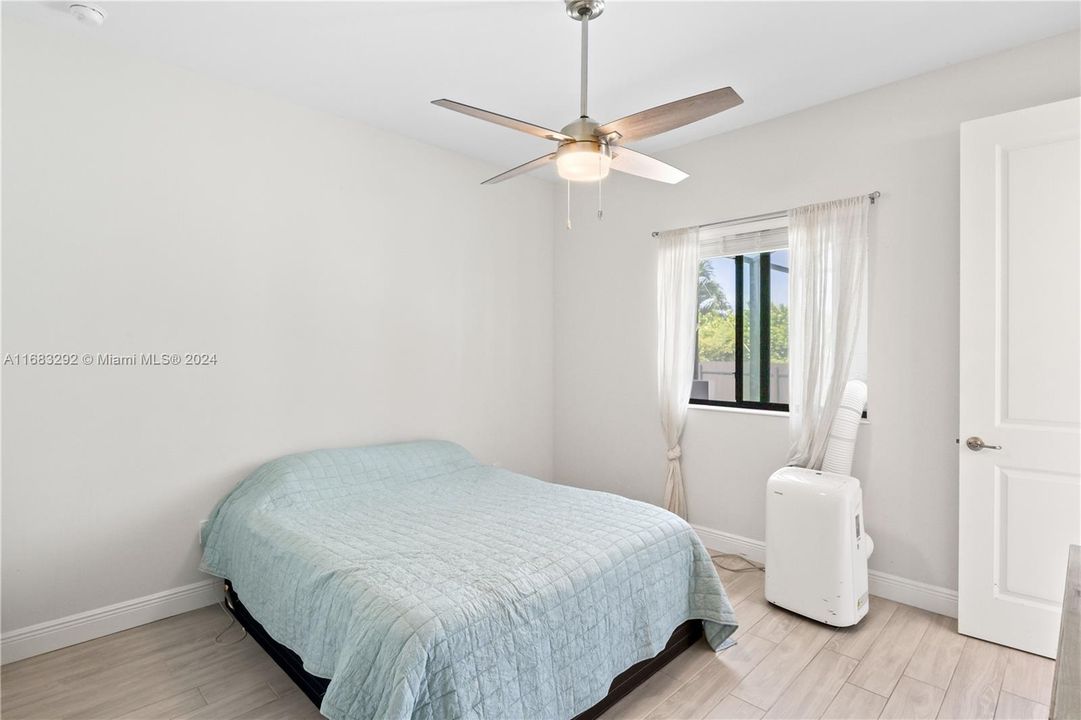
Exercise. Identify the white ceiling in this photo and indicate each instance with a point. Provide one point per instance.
(382, 63)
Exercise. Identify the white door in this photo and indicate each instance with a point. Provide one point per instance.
(1020, 504)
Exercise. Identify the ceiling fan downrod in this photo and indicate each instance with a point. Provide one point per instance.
(583, 11)
(585, 66)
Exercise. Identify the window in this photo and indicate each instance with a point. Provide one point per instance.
(742, 348)
(742, 357)
(742, 353)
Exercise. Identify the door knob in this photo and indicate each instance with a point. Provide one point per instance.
(975, 444)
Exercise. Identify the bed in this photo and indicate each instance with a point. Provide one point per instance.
(422, 584)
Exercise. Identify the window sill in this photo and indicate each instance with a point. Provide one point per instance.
(738, 410)
(751, 411)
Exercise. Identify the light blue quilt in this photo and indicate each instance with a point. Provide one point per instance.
(427, 585)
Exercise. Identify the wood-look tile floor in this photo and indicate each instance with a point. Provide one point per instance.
(899, 662)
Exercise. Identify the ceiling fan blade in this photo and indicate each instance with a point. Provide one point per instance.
(519, 125)
(633, 162)
(521, 169)
(671, 115)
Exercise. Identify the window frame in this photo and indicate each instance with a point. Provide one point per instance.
(764, 340)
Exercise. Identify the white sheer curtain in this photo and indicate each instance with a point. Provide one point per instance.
(677, 327)
(828, 261)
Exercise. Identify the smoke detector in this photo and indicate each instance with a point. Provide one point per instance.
(87, 14)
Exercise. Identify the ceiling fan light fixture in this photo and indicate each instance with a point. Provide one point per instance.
(583, 161)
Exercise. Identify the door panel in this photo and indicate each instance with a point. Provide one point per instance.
(1020, 373)
(1041, 252)
(1035, 520)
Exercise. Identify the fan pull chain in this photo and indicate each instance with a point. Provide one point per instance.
(568, 204)
(600, 189)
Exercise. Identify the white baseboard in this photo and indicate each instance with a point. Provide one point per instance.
(729, 543)
(73, 629)
(913, 592)
(892, 587)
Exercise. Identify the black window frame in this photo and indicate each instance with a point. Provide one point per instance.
(765, 266)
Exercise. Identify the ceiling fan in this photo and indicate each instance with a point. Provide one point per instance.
(587, 150)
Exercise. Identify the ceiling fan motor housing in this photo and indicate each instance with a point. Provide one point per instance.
(581, 129)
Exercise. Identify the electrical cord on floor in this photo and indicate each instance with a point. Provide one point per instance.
(232, 621)
(749, 566)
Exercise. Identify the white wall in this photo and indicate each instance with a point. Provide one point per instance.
(356, 286)
(359, 287)
(901, 139)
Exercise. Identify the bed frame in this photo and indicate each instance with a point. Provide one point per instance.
(315, 687)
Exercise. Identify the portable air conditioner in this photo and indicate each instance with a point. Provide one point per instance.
(816, 547)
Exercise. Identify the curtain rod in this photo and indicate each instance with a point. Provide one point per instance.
(765, 216)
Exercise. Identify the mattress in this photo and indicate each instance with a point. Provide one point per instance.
(427, 585)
